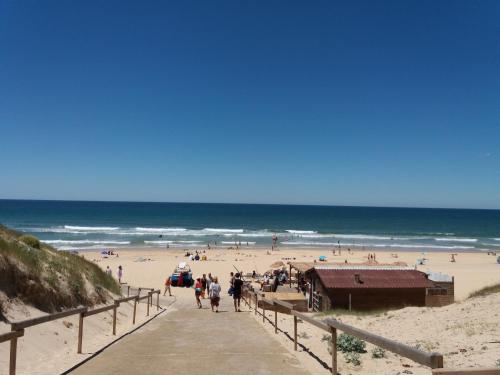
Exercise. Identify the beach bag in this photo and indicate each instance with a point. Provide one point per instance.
(230, 291)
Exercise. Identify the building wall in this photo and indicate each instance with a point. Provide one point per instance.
(442, 295)
(366, 299)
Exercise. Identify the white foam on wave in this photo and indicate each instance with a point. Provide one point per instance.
(455, 239)
(159, 230)
(496, 239)
(81, 242)
(362, 237)
(255, 234)
(237, 242)
(410, 246)
(89, 229)
(293, 231)
(223, 230)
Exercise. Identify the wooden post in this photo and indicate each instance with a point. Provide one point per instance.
(256, 303)
(114, 318)
(149, 297)
(157, 301)
(349, 301)
(13, 356)
(334, 350)
(135, 309)
(263, 312)
(80, 334)
(275, 319)
(295, 333)
(290, 276)
(128, 290)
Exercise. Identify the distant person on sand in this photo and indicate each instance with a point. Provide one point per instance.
(108, 271)
(197, 292)
(120, 274)
(168, 283)
(237, 284)
(214, 293)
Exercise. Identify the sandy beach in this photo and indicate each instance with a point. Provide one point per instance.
(466, 325)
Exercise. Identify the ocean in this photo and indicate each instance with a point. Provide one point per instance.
(77, 225)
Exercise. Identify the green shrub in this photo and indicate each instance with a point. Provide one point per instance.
(350, 344)
(30, 241)
(353, 357)
(378, 353)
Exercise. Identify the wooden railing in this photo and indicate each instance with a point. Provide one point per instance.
(431, 360)
(17, 328)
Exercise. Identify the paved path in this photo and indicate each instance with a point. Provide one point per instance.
(191, 341)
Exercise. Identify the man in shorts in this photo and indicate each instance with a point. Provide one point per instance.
(237, 284)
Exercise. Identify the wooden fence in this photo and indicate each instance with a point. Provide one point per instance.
(18, 328)
(432, 360)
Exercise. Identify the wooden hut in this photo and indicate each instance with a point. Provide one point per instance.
(364, 287)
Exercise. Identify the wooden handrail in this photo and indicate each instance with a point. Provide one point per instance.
(472, 371)
(15, 326)
(99, 310)
(284, 304)
(314, 322)
(126, 299)
(432, 360)
(11, 335)
(143, 297)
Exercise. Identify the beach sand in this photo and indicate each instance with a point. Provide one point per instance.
(468, 325)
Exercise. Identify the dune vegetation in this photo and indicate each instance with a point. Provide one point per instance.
(34, 273)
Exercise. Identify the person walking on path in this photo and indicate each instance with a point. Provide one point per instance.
(120, 274)
(197, 292)
(168, 283)
(214, 293)
(237, 284)
(209, 282)
(203, 286)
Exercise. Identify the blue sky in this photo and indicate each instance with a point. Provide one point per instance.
(353, 103)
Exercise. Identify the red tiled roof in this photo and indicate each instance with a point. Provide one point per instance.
(376, 279)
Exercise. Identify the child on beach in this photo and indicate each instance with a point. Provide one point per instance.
(214, 293)
(108, 271)
(120, 274)
(197, 292)
(168, 283)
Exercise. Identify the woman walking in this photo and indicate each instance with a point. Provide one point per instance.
(197, 292)
(214, 293)
(120, 274)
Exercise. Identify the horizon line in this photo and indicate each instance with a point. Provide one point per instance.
(247, 203)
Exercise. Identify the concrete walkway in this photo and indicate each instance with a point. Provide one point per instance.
(191, 341)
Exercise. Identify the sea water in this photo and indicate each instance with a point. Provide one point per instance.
(76, 225)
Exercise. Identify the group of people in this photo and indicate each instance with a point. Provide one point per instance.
(119, 273)
(208, 286)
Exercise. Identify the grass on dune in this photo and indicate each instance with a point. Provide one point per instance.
(49, 279)
(491, 289)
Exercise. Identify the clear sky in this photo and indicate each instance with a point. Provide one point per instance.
(316, 102)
